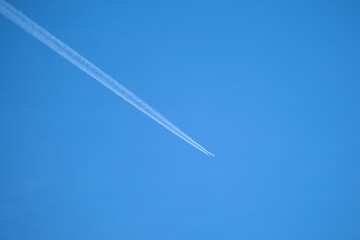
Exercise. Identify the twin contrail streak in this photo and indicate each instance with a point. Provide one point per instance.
(72, 56)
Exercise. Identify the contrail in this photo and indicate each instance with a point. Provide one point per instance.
(72, 56)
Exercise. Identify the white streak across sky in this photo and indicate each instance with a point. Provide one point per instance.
(72, 56)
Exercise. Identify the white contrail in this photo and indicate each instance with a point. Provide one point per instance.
(65, 51)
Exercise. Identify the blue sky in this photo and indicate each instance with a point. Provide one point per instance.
(271, 87)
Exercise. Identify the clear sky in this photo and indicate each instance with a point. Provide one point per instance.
(271, 87)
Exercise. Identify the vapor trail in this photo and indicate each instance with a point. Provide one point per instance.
(72, 56)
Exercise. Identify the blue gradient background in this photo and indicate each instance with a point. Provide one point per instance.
(272, 87)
